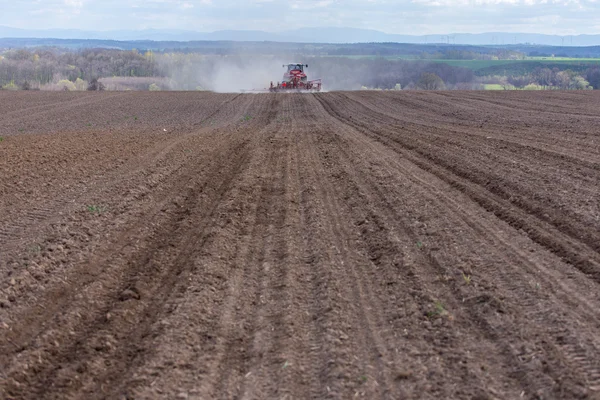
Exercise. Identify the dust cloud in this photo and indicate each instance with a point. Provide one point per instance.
(225, 74)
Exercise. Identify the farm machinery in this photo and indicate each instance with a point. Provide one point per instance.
(295, 80)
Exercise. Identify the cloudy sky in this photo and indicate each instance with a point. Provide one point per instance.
(418, 17)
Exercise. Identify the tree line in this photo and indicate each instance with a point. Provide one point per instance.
(47, 67)
(97, 69)
(549, 78)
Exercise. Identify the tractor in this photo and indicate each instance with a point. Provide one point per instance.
(295, 80)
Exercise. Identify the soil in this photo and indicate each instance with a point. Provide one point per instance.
(393, 245)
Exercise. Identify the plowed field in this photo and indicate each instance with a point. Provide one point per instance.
(273, 246)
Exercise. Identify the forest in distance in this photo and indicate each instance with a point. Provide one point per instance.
(442, 69)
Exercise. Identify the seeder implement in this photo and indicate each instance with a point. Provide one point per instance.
(295, 80)
(313, 86)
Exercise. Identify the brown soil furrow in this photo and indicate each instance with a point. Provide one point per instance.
(375, 357)
(236, 327)
(35, 100)
(375, 245)
(564, 140)
(326, 352)
(238, 362)
(402, 238)
(521, 163)
(114, 112)
(430, 261)
(449, 200)
(540, 107)
(561, 238)
(52, 107)
(310, 302)
(65, 202)
(527, 297)
(132, 199)
(156, 214)
(283, 368)
(170, 282)
(143, 274)
(216, 287)
(265, 355)
(513, 157)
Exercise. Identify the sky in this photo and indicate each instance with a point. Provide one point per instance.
(416, 17)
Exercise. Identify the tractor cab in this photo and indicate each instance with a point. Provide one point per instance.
(294, 78)
(295, 73)
(295, 67)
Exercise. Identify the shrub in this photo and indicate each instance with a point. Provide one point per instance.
(533, 86)
(593, 77)
(579, 83)
(10, 86)
(80, 84)
(66, 85)
(95, 85)
(154, 88)
(430, 81)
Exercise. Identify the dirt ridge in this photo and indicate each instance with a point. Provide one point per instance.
(372, 245)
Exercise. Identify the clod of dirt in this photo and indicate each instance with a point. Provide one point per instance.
(102, 344)
(403, 375)
(129, 294)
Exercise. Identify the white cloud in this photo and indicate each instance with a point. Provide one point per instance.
(392, 16)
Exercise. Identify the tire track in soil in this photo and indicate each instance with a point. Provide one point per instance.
(334, 366)
(576, 349)
(241, 288)
(262, 353)
(280, 369)
(243, 353)
(338, 373)
(302, 368)
(170, 282)
(311, 304)
(268, 360)
(359, 308)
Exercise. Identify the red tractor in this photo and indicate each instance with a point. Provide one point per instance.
(294, 79)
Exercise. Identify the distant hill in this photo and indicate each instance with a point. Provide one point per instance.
(290, 49)
(308, 35)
